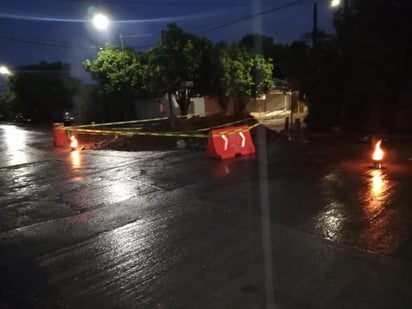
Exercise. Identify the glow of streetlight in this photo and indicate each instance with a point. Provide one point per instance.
(100, 21)
(4, 70)
(335, 3)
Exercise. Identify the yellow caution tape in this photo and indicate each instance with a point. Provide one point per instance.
(131, 131)
(106, 124)
(254, 125)
(150, 120)
(129, 122)
(228, 132)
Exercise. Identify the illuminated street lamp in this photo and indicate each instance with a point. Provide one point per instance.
(102, 22)
(4, 70)
(335, 3)
(339, 3)
(343, 34)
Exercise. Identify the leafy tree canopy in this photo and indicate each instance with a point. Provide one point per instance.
(42, 91)
(182, 65)
(244, 75)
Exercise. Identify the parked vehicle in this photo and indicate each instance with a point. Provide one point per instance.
(68, 118)
(21, 118)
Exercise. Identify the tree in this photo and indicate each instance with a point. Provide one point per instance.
(7, 102)
(265, 46)
(120, 74)
(315, 73)
(244, 76)
(216, 70)
(42, 91)
(322, 85)
(181, 65)
(374, 40)
(259, 44)
(179, 57)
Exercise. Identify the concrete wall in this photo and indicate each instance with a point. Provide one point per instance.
(146, 109)
(273, 101)
(197, 106)
(211, 106)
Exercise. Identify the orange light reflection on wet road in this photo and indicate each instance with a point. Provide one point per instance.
(378, 191)
(76, 158)
(377, 184)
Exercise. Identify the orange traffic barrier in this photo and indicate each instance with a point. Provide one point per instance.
(229, 142)
(59, 135)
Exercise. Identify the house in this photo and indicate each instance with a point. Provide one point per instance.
(279, 109)
(276, 110)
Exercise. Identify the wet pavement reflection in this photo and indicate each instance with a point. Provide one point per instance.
(76, 158)
(365, 206)
(14, 141)
(115, 229)
(379, 193)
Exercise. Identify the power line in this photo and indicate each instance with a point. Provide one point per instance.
(278, 8)
(180, 3)
(66, 46)
(43, 43)
(282, 7)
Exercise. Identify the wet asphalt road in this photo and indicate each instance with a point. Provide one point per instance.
(302, 224)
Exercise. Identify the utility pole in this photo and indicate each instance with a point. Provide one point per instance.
(345, 110)
(169, 94)
(315, 30)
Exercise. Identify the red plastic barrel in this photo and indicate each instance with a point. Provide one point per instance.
(59, 135)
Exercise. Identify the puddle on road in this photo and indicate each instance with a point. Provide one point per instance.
(382, 231)
(330, 222)
(363, 209)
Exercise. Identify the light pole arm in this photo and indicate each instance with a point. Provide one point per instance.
(315, 24)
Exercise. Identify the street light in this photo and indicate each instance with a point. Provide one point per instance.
(335, 3)
(315, 29)
(100, 21)
(338, 3)
(346, 65)
(4, 70)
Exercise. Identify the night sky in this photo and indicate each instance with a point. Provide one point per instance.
(60, 30)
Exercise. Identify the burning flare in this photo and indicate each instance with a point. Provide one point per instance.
(73, 143)
(378, 152)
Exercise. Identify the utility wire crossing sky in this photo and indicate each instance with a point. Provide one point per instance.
(49, 30)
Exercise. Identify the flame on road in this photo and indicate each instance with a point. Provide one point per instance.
(378, 152)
